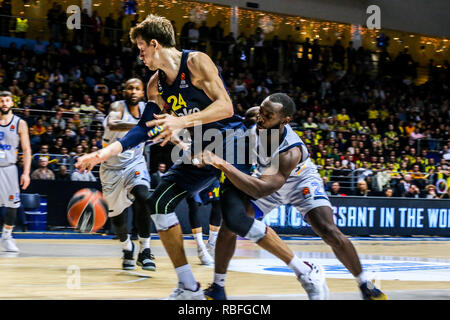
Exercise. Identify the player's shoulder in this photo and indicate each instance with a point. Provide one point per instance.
(197, 60)
(116, 106)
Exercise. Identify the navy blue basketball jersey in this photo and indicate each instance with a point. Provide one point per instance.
(183, 98)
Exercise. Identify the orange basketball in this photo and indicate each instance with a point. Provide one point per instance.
(87, 210)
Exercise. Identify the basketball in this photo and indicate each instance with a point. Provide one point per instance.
(87, 211)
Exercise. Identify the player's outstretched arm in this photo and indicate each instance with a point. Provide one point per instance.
(90, 160)
(204, 76)
(269, 182)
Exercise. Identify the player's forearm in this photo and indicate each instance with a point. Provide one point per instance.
(216, 111)
(26, 161)
(252, 186)
(112, 150)
(119, 125)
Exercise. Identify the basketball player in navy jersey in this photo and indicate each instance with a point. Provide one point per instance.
(13, 130)
(296, 181)
(189, 86)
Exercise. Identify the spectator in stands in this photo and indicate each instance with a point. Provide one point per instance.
(362, 189)
(430, 192)
(82, 176)
(413, 192)
(43, 172)
(156, 177)
(63, 174)
(335, 190)
(389, 192)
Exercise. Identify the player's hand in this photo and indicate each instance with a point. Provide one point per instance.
(24, 181)
(169, 124)
(208, 157)
(88, 161)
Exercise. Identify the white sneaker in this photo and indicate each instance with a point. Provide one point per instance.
(205, 257)
(315, 283)
(10, 245)
(211, 248)
(181, 293)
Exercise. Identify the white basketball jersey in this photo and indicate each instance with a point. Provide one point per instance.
(290, 140)
(128, 156)
(9, 142)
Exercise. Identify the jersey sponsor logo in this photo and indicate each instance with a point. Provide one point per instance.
(136, 173)
(2, 135)
(186, 112)
(12, 128)
(5, 147)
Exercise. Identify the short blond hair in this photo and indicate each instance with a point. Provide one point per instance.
(154, 27)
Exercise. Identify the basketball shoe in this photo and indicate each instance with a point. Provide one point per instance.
(370, 292)
(211, 247)
(181, 293)
(145, 260)
(128, 258)
(9, 244)
(204, 256)
(215, 292)
(314, 283)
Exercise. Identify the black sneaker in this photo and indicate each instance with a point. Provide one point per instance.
(128, 258)
(215, 292)
(145, 260)
(370, 292)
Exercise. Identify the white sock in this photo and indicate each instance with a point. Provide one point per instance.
(361, 278)
(144, 243)
(219, 279)
(127, 245)
(213, 236)
(6, 233)
(199, 239)
(186, 277)
(299, 267)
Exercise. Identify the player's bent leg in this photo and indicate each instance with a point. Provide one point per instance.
(142, 222)
(128, 248)
(163, 202)
(225, 247)
(321, 221)
(7, 241)
(234, 212)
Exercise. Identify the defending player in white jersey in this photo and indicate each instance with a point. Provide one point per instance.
(125, 178)
(13, 131)
(286, 176)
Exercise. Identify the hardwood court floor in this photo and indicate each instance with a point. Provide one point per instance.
(405, 268)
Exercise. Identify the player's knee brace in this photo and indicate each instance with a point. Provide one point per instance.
(120, 223)
(257, 231)
(10, 216)
(164, 222)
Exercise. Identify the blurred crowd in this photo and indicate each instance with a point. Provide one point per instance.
(370, 129)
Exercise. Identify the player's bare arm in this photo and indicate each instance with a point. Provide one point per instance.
(204, 76)
(26, 150)
(114, 119)
(269, 182)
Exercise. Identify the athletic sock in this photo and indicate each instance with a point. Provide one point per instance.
(213, 236)
(219, 279)
(362, 278)
(199, 240)
(186, 277)
(144, 243)
(299, 267)
(127, 244)
(6, 233)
